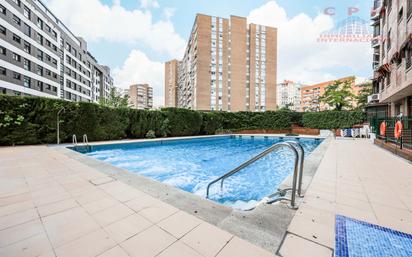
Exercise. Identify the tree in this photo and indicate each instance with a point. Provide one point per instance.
(115, 99)
(362, 98)
(339, 95)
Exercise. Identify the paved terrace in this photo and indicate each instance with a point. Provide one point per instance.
(355, 179)
(52, 205)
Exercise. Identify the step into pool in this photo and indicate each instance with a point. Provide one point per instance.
(190, 164)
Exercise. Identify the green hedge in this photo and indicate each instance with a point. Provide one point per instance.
(332, 119)
(32, 120)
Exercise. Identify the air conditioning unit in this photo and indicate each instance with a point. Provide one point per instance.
(373, 98)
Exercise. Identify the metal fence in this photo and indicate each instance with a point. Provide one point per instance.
(406, 139)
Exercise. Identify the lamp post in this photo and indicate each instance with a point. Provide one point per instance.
(58, 124)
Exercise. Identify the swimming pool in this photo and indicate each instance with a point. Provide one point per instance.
(190, 164)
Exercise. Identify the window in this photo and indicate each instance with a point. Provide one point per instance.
(2, 30)
(40, 38)
(400, 15)
(40, 85)
(16, 38)
(2, 9)
(40, 70)
(408, 8)
(26, 64)
(68, 47)
(54, 34)
(16, 57)
(389, 6)
(17, 2)
(389, 40)
(39, 23)
(48, 43)
(16, 20)
(3, 71)
(27, 47)
(3, 50)
(16, 75)
(39, 54)
(27, 30)
(408, 58)
(26, 81)
(26, 12)
(48, 72)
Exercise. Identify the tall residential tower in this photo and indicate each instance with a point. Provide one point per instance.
(228, 65)
(39, 56)
(140, 96)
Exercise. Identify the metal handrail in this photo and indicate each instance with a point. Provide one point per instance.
(301, 163)
(74, 139)
(85, 140)
(274, 147)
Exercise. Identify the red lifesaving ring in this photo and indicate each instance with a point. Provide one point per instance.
(398, 129)
(383, 129)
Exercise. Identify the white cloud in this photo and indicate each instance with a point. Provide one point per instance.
(139, 69)
(95, 21)
(149, 4)
(300, 57)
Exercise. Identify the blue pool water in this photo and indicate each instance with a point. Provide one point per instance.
(190, 164)
(356, 238)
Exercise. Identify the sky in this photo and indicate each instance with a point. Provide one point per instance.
(135, 37)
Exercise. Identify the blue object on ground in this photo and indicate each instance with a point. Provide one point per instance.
(355, 238)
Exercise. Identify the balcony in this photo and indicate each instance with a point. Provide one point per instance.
(376, 10)
(376, 41)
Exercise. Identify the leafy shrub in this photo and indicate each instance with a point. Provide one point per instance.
(332, 119)
(32, 120)
(150, 134)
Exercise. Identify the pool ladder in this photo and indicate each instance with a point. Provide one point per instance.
(296, 188)
(85, 142)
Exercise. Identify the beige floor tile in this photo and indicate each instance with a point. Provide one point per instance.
(127, 227)
(158, 212)
(112, 214)
(353, 202)
(102, 180)
(294, 246)
(128, 195)
(179, 223)
(116, 251)
(89, 195)
(17, 207)
(207, 239)
(69, 225)
(53, 208)
(31, 247)
(240, 248)
(100, 205)
(179, 249)
(89, 245)
(311, 230)
(149, 243)
(18, 218)
(51, 198)
(15, 199)
(20, 232)
(398, 219)
(143, 202)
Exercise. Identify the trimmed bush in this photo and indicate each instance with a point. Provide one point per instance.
(332, 119)
(32, 120)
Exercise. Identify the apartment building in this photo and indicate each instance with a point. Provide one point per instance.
(310, 94)
(228, 65)
(171, 83)
(140, 96)
(289, 95)
(392, 57)
(39, 56)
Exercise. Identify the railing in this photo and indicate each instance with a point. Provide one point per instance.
(404, 141)
(292, 146)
